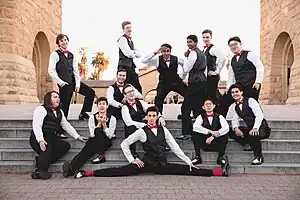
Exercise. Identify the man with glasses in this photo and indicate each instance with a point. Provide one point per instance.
(215, 63)
(133, 113)
(169, 73)
(246, 69)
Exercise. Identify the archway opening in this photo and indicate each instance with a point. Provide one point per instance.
(40, 59)
(282, 60)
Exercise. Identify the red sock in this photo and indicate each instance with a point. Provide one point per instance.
(218, 172)
(89, 173)
(101, 155)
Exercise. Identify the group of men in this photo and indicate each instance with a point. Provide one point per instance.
(209, 132)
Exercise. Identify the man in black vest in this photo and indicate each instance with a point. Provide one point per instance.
(154, 138)
(133, 113)
(249, 110)
(215, 63)
(210, 133)
(115, 96)
(102, 127)
(246, 70)
(44, 138)
(63, 69)
(127, 52)
(169, 75)
(195, 66)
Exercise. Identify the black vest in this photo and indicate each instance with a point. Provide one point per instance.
(244, 70)
(246, 113)
(118, 95)
(215, 125)
(154, 147)
(96, 121)
(168, 74)
(51, 123)
(124, 61)
(64, 67)
(211, 60)
(137, 115)
(197, 73)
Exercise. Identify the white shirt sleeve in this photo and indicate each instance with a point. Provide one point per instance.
(259, 116)
(221, 59)
(127, 118)
(188, 65)
(224, 126)
(180, 71)
(197, 126)
(137, 93)
(258, 65)
(231, 78)
(123, 45)
(91, 125)
(37, 123)
(138, 135)
(151, 60)
(175, 147)
(76, 71)
(235, 118)
(54, 58)
(110, 97)
(112, 127)
(67, 126)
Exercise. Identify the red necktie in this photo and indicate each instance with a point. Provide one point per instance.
(133, 103)
(209, 115)
(166, 60)
(54, 108)
(205, 46)
(120, 85)
(65, 51)
(238, 54)
(240, 102)
(152, 126)
(128, 36)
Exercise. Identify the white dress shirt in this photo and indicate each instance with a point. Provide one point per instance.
(110, 96)
(123, 45)
(256, 62)
(189, 63)
(37, 123)
(54, 58)
(221, 59)
(108, 131)
(197, 126)
(153, 60)
(140, 135)
(256, 109)
(127, 118)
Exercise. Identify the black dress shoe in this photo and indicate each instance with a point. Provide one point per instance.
(222, 160)
(257, 161)
(41, 175)
(183, 137)
(79, 174)
(248, 148)
(83, 116)
(225, 167)
(197, 160)
(66, 169)
(167, 148)
(98, 160)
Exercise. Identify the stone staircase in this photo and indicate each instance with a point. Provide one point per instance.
(281, 151)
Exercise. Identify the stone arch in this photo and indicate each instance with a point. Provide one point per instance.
(282, 60)
(40, 59)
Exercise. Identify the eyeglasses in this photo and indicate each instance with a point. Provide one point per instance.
(130, 91)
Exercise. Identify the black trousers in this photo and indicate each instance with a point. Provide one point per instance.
(132, 77)
(128, 131)
(163, 89)
(226, 100)
(96, 145)
(55, 149)
(116, 112)
(193, 101)
(253, 141)
(66, 92)
(168, 169)
(217, 145)
(212, 86)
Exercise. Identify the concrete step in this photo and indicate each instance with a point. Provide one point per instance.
(266, 168)
(117, 155)
(25, 132)
(268, 144)
(19, 123)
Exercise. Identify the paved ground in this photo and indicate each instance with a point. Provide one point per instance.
(272, 112)
(236, 187)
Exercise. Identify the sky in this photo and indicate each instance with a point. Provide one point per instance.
(96, 24)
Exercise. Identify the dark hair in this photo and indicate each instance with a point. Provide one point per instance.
(238, 86)
(61, 36)
(167, 46)
(193, 37)
(121, 70)
(235, 38)
(101, 99)
(210, 99)
(47, 99)
(125, 23)
(126, 86)
(152, 109)
(207, 31)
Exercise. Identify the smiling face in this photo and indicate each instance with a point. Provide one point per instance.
(102, 106)
(151, 117)
(206, 38)
(191, 44)
(63, 42)
(236, 93)
(55, 99)
(127, 29)
(121, 77)
(129, 92)
(208, 106)
(235, 46)
(165, 51)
